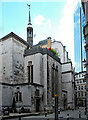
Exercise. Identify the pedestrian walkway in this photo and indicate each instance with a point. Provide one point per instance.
(78, 113)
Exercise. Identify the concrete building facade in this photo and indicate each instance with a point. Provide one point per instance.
(68, 82)
(85, 5)
(80, 89)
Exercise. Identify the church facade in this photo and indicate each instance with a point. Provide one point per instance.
(30, 76)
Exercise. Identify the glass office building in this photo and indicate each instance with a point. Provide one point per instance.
(79, 41)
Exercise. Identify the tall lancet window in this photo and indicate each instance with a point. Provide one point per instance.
(30, 72)
(54, 80)
(29, 32)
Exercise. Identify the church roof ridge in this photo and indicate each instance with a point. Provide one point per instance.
(42, 42)
(12, 34)
(43, 51)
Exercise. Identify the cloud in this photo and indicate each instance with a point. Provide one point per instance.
(39, 20)
(64, 31)
(32, 0)
(44, 26)
(49, 23)
(66, 27)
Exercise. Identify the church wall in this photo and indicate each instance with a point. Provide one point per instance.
(18, 61)
(34, 97)
(7, 96)
(25, 101)
(45, 78)
(26, 95)
(6, 61)
(37, 67)
(37, 62)
(42, 74)
(57, 81)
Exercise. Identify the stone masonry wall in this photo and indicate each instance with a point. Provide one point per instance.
(18, 61)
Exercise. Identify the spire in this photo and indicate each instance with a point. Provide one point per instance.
(29, 22)
(29, 30)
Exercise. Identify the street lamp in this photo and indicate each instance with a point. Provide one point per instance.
(56, 106)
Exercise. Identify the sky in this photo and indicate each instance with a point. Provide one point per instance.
(50, 18)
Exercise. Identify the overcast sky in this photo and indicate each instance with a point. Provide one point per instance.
(50, 18)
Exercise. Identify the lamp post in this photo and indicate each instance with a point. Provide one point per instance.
(56, 106)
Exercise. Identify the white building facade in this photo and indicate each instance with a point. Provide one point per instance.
(85, 5)
(67, 74)
(80, 89)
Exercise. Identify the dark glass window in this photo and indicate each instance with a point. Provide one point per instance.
(37, 93)
(53, 87)
(75, 88)
(77, 81)
(30, 74)
(79, 94)
(82, 93)
(81, 87)
(18, 96)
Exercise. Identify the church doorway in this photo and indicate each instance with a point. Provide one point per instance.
(37, 104)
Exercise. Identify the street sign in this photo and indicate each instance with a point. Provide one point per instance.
(56, 95)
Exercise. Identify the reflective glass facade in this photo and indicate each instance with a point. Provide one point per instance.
(79, 17)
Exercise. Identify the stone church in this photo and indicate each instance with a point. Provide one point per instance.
(30, 75)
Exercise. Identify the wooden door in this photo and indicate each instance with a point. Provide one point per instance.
(37, 105)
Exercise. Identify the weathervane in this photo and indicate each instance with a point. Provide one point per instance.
(29, 23)
(29, 6)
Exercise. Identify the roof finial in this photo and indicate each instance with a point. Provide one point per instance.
(29, 23)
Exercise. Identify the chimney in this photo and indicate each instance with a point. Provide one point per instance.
(49, 42)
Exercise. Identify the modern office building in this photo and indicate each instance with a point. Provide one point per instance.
(79, 41)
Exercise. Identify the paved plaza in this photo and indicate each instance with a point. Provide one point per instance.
(78, 114)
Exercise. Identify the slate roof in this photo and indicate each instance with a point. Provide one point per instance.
(16, 37)
(42, 42)
(43, 51)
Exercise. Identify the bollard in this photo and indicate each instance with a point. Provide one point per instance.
(45, 114)
(67, 116)
(85, 112)
(79, 114)
(19, 118)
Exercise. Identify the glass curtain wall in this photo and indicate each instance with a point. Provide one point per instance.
(79, 17)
